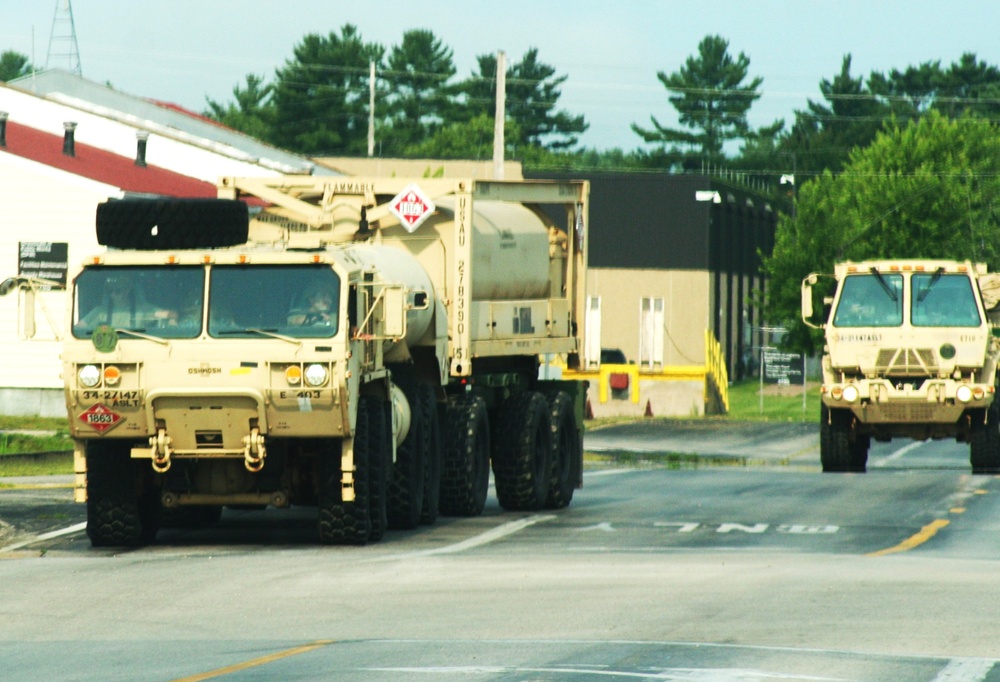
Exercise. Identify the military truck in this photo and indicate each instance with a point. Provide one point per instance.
(910, 353)
(369, 347)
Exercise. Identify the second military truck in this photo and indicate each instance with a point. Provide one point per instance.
(369, 347)
(909, 353)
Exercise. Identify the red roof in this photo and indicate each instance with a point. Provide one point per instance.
(102, 166)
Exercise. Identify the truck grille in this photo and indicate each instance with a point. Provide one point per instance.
(906, 362)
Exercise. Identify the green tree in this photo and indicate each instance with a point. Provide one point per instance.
(418, 93)
(13, 65)
(321, 95)
(711, 100)
(532, 94)
(251, 112)
(927, 189)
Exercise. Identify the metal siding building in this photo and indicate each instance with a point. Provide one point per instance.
(672, 256)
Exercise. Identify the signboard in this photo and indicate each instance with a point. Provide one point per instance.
(779, 367)
(44, 260)
(411, 206)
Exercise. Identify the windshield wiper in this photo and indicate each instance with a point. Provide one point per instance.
(273, 333)
(927, 289)
(141, 333)
(885, 285)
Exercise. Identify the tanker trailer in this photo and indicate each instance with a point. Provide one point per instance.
(369, 347)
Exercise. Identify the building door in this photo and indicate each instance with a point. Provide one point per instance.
(651, 333)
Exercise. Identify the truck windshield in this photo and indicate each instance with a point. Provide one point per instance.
(941, 300)
(248, 301)
(870, 300)
(157, 300)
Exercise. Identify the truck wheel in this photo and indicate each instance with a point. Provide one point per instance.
(115, 508)
(432, 477)
(379, 468)
(172, 223)
(984, 440)
(406, 488)
(565, 452)
(350, 522)
(522, 453)
(835, 450)
(465, 470)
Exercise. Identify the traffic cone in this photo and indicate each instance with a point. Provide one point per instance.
(649, 410)
(588, 413)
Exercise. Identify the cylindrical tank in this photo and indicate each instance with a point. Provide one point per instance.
(510, 252)
(396, 266)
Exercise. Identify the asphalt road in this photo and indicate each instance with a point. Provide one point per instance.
(723, 570)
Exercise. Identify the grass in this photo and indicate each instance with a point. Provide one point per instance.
(53, 438)
(780, 403)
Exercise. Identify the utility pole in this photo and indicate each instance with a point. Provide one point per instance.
(498, 116)
(62, 40)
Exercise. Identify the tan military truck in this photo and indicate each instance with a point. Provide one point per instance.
(910, 353)
(369, 347)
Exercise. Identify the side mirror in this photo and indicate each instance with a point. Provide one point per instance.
(807, 300)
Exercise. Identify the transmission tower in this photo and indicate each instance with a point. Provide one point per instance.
(62, 41)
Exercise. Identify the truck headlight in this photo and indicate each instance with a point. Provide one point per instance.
(293, 375)
(89, 376)
(963, 394)
(850, 393)
(316, 375)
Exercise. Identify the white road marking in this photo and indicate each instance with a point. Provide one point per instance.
(898, 453)
(577, 672)
(965, 670)
(489, 536)
(69, 530)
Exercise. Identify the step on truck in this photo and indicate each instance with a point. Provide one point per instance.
(368, 347)
(910, 352)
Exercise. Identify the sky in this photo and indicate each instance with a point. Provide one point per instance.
(186, 51)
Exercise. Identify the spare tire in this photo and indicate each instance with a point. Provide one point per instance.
(170, 223)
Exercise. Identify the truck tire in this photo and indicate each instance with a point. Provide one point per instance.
(835, 448)
(465, 470)
(432, 479)
(565, 452)
(118, 513)
(984, 440)
(859, 454)
(150, 224)
(379, 468)
(409, 473)
(343, 522)
(522, 452)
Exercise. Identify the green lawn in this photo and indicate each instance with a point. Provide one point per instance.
(778, 403)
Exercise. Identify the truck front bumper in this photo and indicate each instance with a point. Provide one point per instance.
(880, 401)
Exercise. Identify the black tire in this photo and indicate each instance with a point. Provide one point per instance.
(859, 454)
(343, 522)
(432, 479)
(409, 473)
(984, 440)
(522, 452)
(119, 513)
(172, 223)
(379, 467)
(465, 470)
(566, 450)
(835, 448)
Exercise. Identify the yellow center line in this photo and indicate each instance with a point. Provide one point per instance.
(263, 660)
(925, 534)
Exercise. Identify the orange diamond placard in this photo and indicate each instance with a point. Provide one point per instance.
(99, 417)
(411, 206)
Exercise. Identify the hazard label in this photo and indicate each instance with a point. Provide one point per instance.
(100, 417)
(411, 206)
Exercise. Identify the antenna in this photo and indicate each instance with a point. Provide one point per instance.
(63, 38)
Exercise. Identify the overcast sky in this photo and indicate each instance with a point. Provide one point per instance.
(186, 50)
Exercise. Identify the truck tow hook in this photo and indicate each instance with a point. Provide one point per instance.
(254, 451)
(160, 444)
